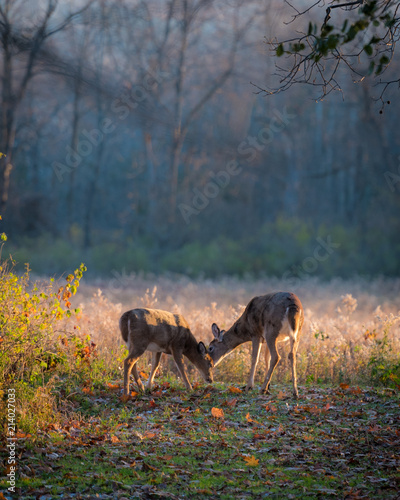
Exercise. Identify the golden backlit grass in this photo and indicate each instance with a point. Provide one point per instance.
(350, 334)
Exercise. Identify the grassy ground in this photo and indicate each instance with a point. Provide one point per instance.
(216, 442)
(61, 363)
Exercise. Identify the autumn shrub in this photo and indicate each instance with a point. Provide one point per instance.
(33, 349)
(384, 359)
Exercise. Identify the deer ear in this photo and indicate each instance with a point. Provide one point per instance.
(217, 332)
(202, 348)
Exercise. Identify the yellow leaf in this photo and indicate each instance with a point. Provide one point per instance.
(252, 461)
(113, 387)
(217, 413)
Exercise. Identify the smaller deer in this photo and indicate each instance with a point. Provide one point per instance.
(271, 318)
(160, 331)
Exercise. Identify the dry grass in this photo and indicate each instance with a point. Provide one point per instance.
(345, 321)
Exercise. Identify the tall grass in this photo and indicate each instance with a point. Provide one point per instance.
(350, 334)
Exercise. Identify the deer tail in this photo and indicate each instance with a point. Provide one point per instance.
(124, 326)
(294, 317)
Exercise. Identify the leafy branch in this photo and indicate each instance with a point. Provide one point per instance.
(364, 45)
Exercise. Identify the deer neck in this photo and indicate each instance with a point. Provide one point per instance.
(236, 335)
(191, 351)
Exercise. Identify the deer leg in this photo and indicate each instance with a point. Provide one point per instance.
(292, 357)
(254, 360)
(267, 363)
(178, 358)
(155, 361)
(274, 360)
(129, 365)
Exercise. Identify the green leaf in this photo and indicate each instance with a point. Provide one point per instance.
(371, 68)
(368, 50)
(279, 50)
(332, 42)
(384, 60)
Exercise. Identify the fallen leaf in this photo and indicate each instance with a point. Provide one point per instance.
(113, 387)
(149, 435)
(217, 413)
(232, 402)
(281, 395)
(148, 467)
(114, 439)
(344, 386)
(249, 419)
(251, 461)
(125, 397)
(22, 435)
(235, 390)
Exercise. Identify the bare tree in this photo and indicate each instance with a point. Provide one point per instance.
(21, 50)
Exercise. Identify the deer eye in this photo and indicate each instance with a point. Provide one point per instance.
(211, 348)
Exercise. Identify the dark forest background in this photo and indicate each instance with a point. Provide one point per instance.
(136, 141)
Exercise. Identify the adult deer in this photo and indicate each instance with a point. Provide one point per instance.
(160, 331)
(271, 318)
